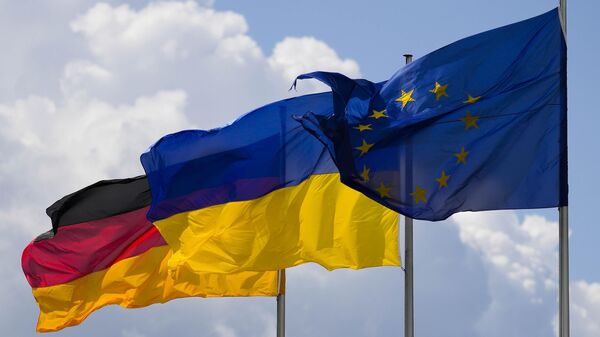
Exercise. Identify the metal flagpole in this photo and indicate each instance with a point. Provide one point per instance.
(409, 317)
(563, 279)
(281, 303)
(563, 236)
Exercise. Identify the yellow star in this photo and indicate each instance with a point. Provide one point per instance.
(405, 98)
(364, 147)
(471, 99)
(470, 121)
(379, 114)
(439, 91)
(419, 194)
(384, 191)
(443, 180)
(363, 127)
(461, 157)
(365, 173)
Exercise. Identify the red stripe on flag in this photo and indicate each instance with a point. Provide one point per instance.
(79, 249)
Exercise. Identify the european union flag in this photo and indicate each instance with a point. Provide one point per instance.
(477, 125)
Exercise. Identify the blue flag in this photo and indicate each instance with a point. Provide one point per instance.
(477, 125)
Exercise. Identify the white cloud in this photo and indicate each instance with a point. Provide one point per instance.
(223, 330)
(55, 148)
(524, 252)
(205, 52)
(585, 309)
(522, 261)
(294, 56)
(79, 73)
(159, 32)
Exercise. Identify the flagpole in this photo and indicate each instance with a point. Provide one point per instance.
(563, 232)
(564, 272)
(281, 303)
(409, 319)
(562, 8)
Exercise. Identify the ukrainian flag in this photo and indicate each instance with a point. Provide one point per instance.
(263, 194)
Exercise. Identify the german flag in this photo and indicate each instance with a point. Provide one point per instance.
(102, 250)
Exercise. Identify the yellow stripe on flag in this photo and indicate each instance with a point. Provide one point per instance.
(140, 281)
(320, 220)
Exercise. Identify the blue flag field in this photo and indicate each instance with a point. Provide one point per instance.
(477, 125)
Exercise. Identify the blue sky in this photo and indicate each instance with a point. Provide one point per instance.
(87, 86)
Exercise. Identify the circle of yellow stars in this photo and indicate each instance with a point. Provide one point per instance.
(419, 194)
